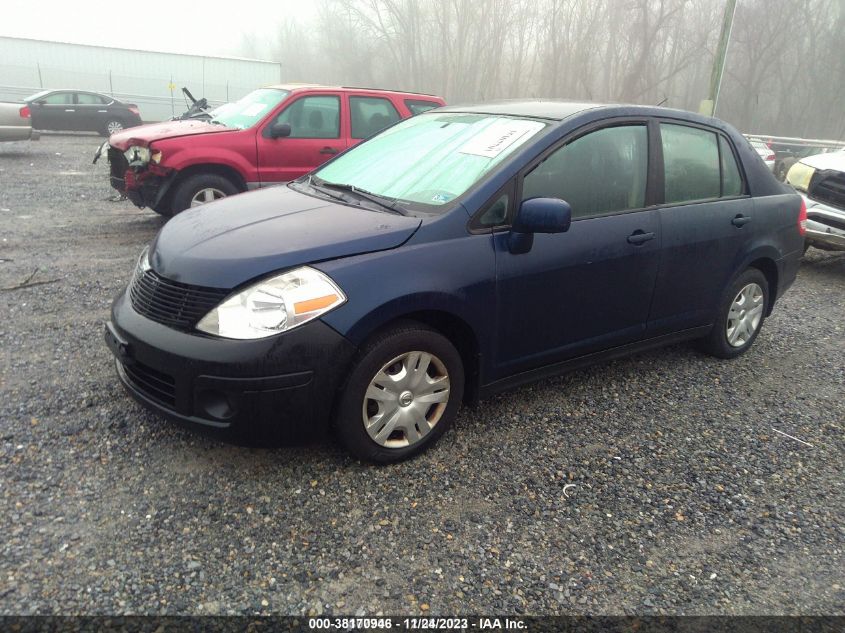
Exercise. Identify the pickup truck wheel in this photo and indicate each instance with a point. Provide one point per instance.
(740, 316)
(201, 188)
(403, 393)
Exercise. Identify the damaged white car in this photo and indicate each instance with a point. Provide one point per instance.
(820, 179)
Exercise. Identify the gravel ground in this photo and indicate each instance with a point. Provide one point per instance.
(683, 498)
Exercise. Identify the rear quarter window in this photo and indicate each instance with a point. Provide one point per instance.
(418, 106)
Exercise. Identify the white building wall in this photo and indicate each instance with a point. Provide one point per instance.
(140, 77)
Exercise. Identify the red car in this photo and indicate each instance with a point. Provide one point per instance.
(272, 135)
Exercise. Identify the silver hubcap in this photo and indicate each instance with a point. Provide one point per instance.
(209, 194)
(114, 126)
(745, 315)
(406, 399)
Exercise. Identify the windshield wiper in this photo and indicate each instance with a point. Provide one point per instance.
(361, 193)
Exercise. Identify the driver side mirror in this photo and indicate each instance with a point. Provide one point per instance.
(538, 215)
(40, 102)
(280, 130)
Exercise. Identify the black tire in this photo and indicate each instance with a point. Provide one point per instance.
(388, 345)
(112, 122)
(716, 342)
(192, 185)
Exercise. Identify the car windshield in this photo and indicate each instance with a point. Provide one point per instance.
(430, 158)
(249, 110)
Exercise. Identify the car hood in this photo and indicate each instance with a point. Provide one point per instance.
(831, 160)
(226, 243)
(146, 134)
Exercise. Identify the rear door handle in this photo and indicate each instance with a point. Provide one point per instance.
(740, 220)
(639, 237)
(329, 150)
(70, 110)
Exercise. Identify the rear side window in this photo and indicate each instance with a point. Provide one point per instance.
(371, 115)
(600, 173)
(731, 179)
(691, 160)
(84, 98)
(313, 117)
(418, 106)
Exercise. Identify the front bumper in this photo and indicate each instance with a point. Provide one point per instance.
(270, 391)
(825, 225)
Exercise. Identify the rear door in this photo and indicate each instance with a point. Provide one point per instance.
(706, 220)
(91, 112)
(589, 288)
(319, 131)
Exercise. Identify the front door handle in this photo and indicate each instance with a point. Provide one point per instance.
(740, 220)
(639, 237)
(70, 110)
(329, 150)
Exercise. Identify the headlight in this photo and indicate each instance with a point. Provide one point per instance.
(274, 305)
(144, 260)
(137, 155)
(800, 175)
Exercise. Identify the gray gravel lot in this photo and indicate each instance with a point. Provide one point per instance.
(684, 500)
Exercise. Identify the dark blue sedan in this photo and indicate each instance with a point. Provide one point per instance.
(458, 253)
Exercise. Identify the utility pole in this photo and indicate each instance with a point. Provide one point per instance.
(708, 106)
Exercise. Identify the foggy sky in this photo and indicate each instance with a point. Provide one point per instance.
(213, 27)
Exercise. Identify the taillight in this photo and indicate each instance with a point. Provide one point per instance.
(134, 110)
(25, 113)
(802, 218)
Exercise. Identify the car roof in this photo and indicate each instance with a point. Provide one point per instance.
(559, 110)
(291, 87)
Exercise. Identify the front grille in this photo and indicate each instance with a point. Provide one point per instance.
(171, 303)
(830, 189)
(156, 385)
(117, 165)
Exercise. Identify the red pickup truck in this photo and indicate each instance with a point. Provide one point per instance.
(272, 135)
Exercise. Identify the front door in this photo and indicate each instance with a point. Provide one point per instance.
(590, 288)
(317, 134)
(56, 111)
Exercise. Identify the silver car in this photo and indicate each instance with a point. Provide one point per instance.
(16, 122)
(820, 179)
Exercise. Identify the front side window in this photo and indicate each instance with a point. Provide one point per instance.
(599, 173)
(691, 160)
(370, 115)
(246, 112)
(58, 98)
(312, 117)
(431, 158)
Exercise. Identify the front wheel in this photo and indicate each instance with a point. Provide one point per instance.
(403, 393)
(201, 189)
(112, 126)
(740, 316)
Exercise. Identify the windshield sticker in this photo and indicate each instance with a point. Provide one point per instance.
(254, 109)
(499, 136)
(441, 197)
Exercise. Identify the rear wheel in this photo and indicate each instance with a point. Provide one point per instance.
(402, 395)
(201, 189)
(741, 316)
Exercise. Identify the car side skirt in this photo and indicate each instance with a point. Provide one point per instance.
(580, 362)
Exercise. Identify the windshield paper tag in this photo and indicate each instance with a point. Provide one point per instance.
(499, 136)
